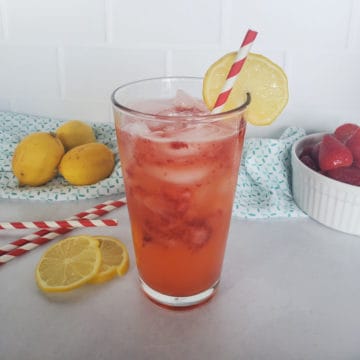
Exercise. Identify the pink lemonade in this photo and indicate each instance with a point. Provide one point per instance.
(180, 165)
(180, 170)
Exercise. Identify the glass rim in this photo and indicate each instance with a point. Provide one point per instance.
(198, 117)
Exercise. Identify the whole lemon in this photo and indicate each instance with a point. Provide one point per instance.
(74, 133)
(36, 158)
(87, 164)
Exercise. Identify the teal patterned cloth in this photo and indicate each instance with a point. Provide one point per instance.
(264, 183)
(263, 189)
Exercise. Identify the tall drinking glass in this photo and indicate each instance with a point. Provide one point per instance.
(180, 166)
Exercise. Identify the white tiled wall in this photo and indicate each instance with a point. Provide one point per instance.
(63, 58)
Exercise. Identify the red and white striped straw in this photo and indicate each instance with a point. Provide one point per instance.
(23, 245)
(56, 224)
(234, 71)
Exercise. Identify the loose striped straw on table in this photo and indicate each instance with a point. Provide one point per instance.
(234, 71)
(23, 245)
(56, 224)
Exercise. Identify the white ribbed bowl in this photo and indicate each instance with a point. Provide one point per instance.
(332, 203)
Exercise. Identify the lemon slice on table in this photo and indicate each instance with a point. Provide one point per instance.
(68, 264)
(264, 80)
(115, 259)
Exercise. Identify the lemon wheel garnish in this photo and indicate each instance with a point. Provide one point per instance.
(115, 259)
(264, 80)
(68, 264)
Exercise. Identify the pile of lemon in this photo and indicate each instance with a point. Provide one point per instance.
(72, 151)
(77, 260)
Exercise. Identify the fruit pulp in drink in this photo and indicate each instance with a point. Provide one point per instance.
(180, 178)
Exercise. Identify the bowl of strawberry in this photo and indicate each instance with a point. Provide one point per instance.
(326, 177)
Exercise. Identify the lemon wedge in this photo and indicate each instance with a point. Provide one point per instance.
(264, 80)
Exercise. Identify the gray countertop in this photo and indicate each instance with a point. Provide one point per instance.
(289, 290)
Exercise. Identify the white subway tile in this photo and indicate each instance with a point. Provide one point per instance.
(1, 23)
(93, 73)
(93, 111)
(27, 71)
(65, 21)
(5, 104)
(6, 75)
(193, 62)
(196, 62)
(324, 88)
(354, 33)
(163, 21)
(306, 24)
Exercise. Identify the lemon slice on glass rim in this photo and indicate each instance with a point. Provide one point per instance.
(263, 79)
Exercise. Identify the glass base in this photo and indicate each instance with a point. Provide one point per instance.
(178, 301)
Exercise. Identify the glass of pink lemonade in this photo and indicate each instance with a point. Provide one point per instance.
(180, 165)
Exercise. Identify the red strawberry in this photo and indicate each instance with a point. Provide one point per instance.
(315, 153)
(310, 156)
(349, 175)
(353, 143)
(333, 153)
(343, 132)
(309, 162)
(306, 150)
